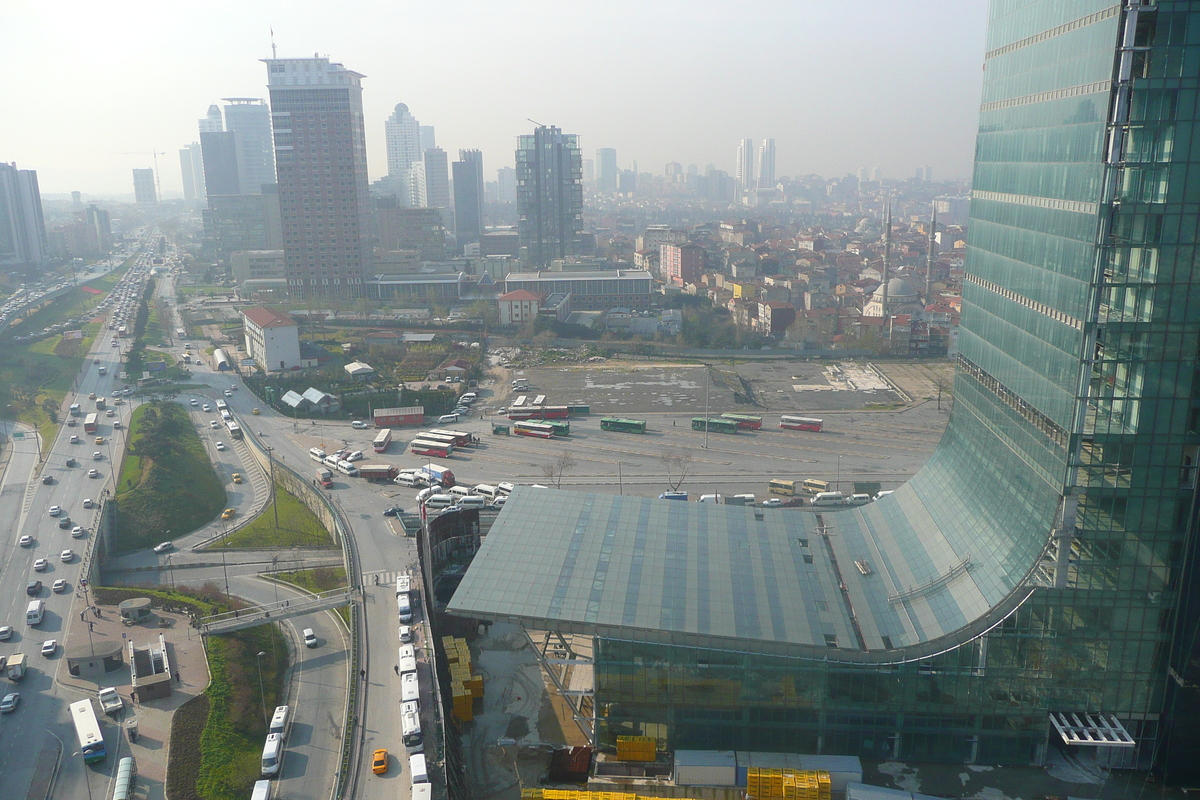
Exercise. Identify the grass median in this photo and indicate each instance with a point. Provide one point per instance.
(298, 526)
(167, 486)
(320, 579)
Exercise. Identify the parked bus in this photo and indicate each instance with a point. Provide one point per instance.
(410, 688)
(561, 427)
(536, 429)
(540, 400)
(623, 425)
(519, 402)
(410, 729)
(419, 448)
(460, 438)
(715, 424)
(814, 486)
(527, 412)
(745, 421)
(555, 412)
(123, 331)
(89, 423)
(235, 430)
(800, 423)
(779, 486)
(382, 440)
(222, 405)
(429, 436)
(408, 662)
(87, 730)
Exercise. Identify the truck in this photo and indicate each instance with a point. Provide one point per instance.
(101, 404)
(16, 666)
(378, 473)
(438, 474)
(324, 477)
(110, 701)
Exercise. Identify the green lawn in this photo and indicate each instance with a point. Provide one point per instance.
(321, 579)
(297, 526)
(167, 483)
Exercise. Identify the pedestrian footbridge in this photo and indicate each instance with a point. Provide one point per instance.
(273, 612)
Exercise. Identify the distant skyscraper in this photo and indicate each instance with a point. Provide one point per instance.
(191, 165)
(22, 227)
(143, 186)
(863, 175)
(589, 171)
(250, 119)
(877, 175)
(220, 153)
(436, 175)
(549, 196)
(744, 172)
(928, 174)
(426, 137)
(606, 170)
(211, 122)
(468, 196)
(766, 164)
(321, 161)
(402, 135)
(506, 185)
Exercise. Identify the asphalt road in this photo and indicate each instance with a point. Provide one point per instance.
(24, 503)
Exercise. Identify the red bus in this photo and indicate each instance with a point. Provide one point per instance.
(460, 438)
(382, 440)
(554, 412)
(429, 449)
(800, 423)
(537, 429)
(745, 421)
(524, 413)
(89, 423)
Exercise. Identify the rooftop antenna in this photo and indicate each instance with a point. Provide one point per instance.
(273, 56)
(535, 122)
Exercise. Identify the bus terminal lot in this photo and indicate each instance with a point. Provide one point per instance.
(881, 445)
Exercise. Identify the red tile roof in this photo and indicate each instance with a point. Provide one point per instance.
(523, 294)
(266, 318)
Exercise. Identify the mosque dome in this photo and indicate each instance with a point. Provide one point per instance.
(899, 290)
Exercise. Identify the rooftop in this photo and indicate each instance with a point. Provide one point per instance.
(266, 318)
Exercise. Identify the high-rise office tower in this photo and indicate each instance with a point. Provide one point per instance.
(766, 164)
(191, 166)
(22, 227)
(506, 185)
(744, 171)
(220, 154)
(402, 135)
(211, 122)
(426, 137)
(249, 118)
(143, 186)
(321, 162)
(606, 170)
(549, 196)
(437, 179)
(468, 196)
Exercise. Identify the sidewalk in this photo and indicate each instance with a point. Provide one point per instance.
(186, 653)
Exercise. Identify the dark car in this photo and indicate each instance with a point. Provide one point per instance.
(47, 480)
(72, 462)
(394, 511)
(65, 522)
(33, 588)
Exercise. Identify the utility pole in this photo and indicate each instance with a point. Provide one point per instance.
(274, 498)
(706, 406)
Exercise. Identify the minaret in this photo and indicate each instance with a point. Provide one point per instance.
(887, 259)
(931, 254)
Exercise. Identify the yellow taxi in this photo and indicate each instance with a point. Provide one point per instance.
(237, 477)
(255, 411)
(99, 440)
(379, 762)
(228, 513)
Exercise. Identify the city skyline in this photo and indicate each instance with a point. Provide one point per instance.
(850, 100)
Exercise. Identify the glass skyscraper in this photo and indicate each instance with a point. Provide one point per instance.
(1042, 565)
(549, 196)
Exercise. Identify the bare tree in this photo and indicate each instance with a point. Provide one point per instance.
(556, 469)
(678, 465)
(944, 385)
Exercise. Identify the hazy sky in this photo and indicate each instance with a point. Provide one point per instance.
(838, 85)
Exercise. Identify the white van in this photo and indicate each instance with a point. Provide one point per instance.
(261, 791)
(487, 491)
(272, 754)
(505, 487)
(416, 768)
(474, 501)
(280, 720)
(330, 461)
(829, 499)
(459, 491)
(403, 584)
(346, 468)
(427, 493)
(404, 608)
(34, 612)
(858, 499)
(316, 454)
(885, 493)
(710, 498)
(406, 479)
(445, 418)
(439, 501)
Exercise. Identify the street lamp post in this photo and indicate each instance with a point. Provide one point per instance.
(262, 697)
(839, 474)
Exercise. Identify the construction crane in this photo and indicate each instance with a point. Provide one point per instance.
(155, 154)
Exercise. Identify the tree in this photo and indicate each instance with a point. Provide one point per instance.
(556, 469)
(678, 465)
(944, 385)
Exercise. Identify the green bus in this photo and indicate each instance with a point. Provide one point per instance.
(623, 425)
(561, 426)
(715, 424)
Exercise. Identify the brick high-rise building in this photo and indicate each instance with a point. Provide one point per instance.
(681, 263)
(321, 162)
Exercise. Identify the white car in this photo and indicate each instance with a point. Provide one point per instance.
(55, 510)
(87, 502)
(163, 547)
(59, 586)
(212, 423)
(358, 425)
(93, 473)
(67, 556)
(74, 439)
(49, 647)
(206, 407)
(6, 632)
(195, 402)
(40, 565)
(26, 541)
(78, 532)
(772, 502)
(310, 638)
(97, 456)
(220, 445)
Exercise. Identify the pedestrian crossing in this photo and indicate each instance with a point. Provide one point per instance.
(382, 577)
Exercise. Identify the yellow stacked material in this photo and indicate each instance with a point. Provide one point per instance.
(464, 705)
(787, 784)
(575, 794)
(637, 748)
(475, 684)
(449, 648)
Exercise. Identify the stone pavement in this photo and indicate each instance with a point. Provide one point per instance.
(186, 653)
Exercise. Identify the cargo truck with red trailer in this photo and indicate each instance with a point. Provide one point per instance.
(378, 473)
(399, 417)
